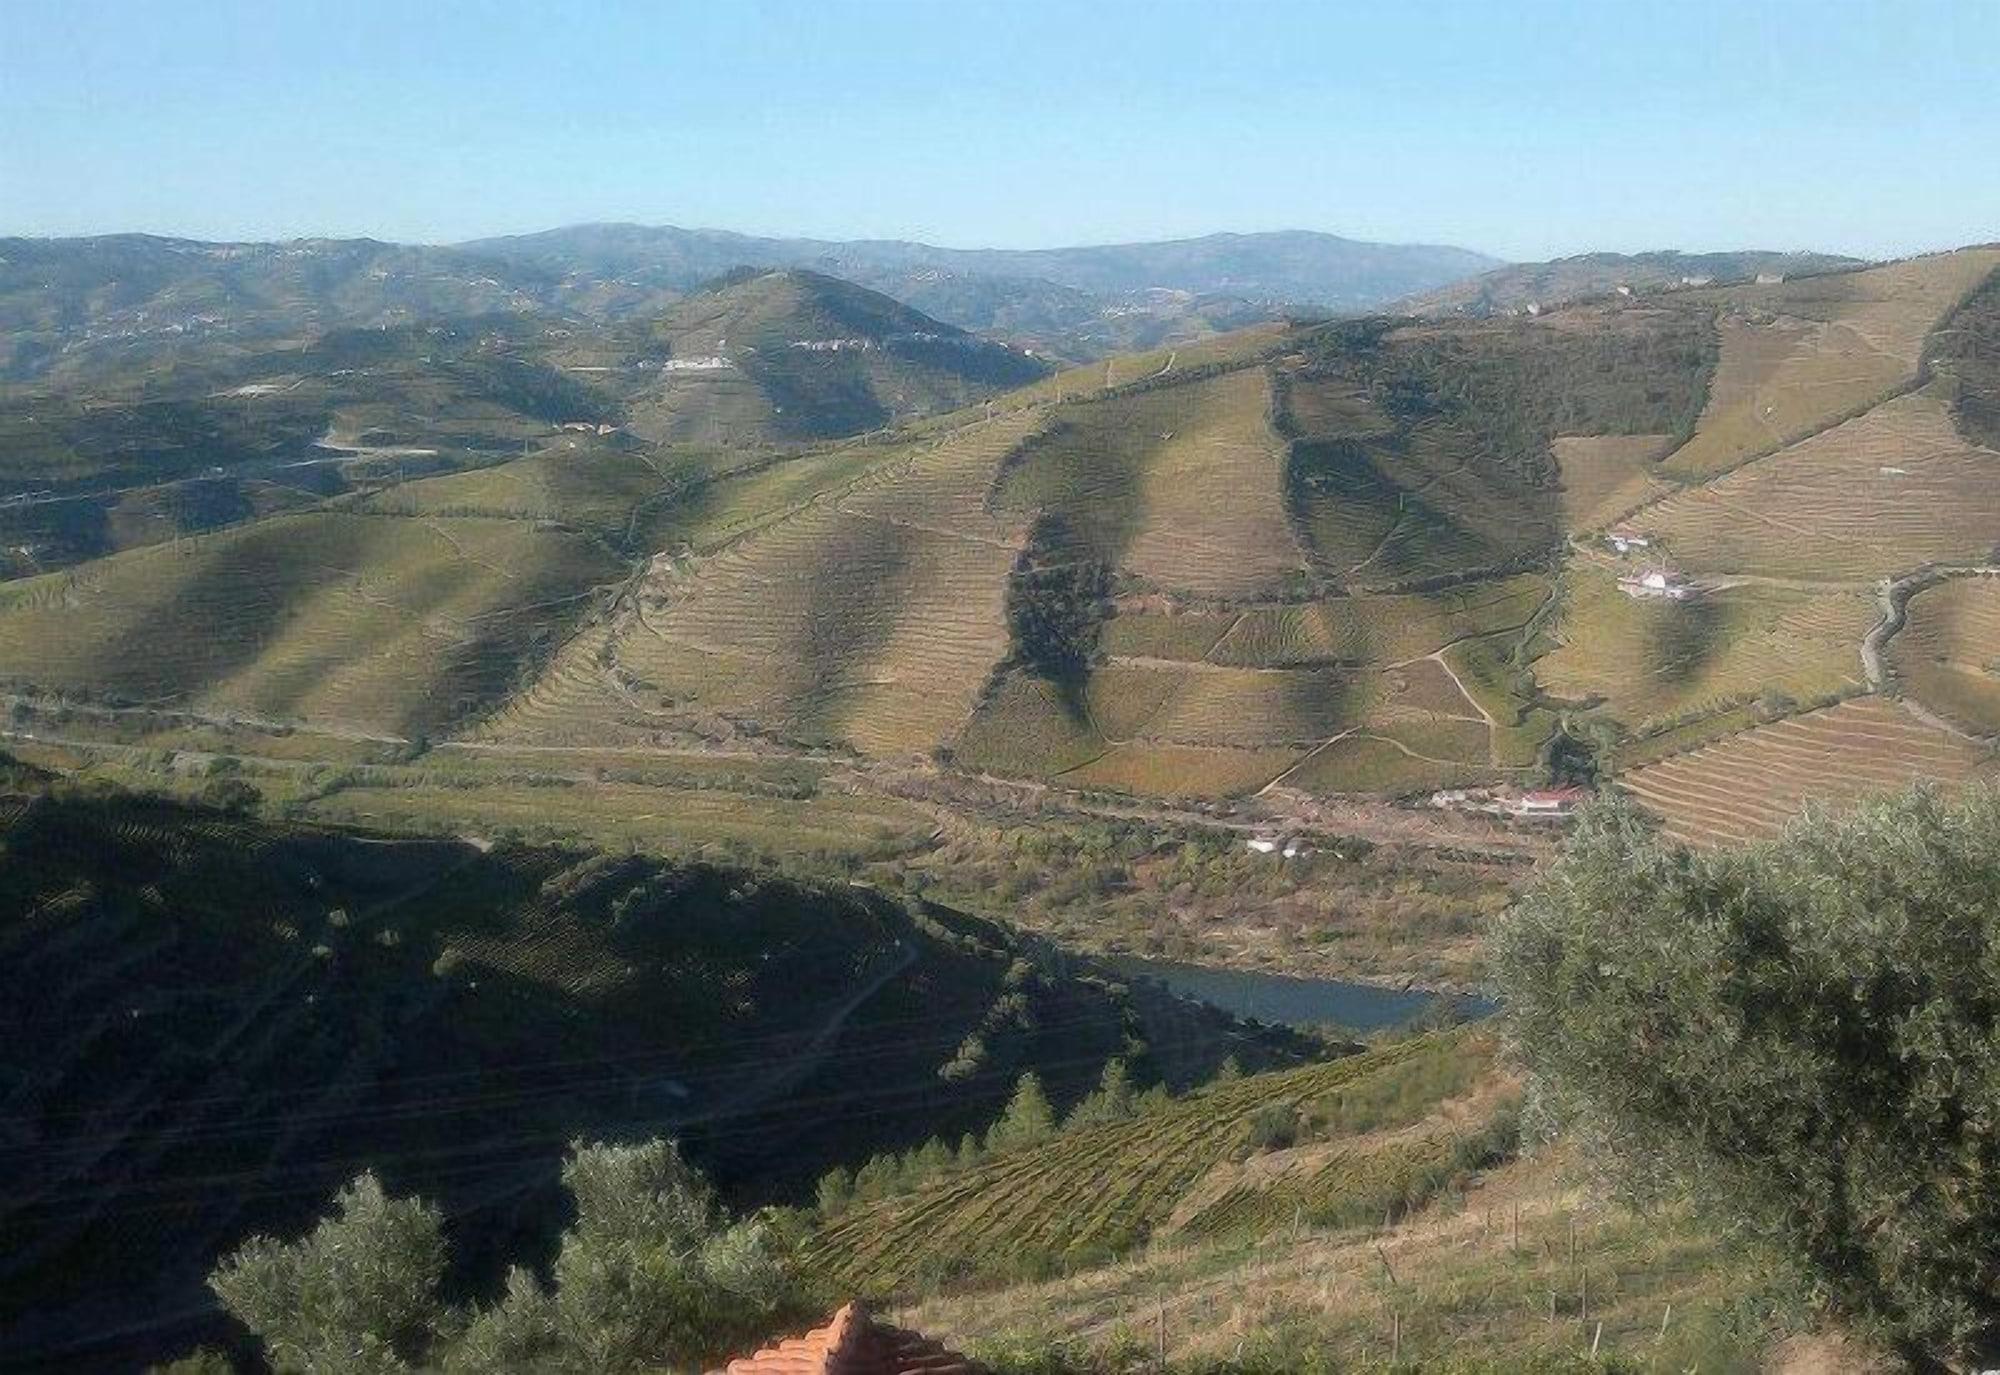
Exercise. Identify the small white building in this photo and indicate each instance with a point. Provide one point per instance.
(1546, 803)
(1625, 541)
(1285, 846)
(1770, 278)
(1657, 582)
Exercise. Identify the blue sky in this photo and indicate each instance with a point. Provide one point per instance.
(1526, 130)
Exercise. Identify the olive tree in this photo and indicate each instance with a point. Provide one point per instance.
(651, 1274)
(1804, 1034)
(357, 1293)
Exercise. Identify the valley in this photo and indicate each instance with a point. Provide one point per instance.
(812, 718)
(1296, 578)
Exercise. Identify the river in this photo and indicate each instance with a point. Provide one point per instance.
(1296, 1001)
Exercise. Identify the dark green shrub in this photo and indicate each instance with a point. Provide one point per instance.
(1802, 1034)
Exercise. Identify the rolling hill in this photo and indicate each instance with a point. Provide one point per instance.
(1359, 558)
(368, 623)
(70, 307)
(72, 310)
(794, 355)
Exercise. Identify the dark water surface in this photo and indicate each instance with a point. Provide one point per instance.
(1296, 1001)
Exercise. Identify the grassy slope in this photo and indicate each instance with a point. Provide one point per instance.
(631, 497)
(1394, 1126)
(1606, 476)
(1462, 1285)
(1801, 355)
(1745, 787)
(40, 536)
(369, 622)
(1945, 655)
(1652, 660)
(191, 999)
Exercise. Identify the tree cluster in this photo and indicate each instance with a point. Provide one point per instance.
(650, 1274)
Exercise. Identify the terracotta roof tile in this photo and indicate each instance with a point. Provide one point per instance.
(854, 1343)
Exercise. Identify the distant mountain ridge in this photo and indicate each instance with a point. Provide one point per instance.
(1067, 302)
(66, 304)
(1519, 286)
(1297, 266)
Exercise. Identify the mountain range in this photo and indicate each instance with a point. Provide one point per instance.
(68, 304)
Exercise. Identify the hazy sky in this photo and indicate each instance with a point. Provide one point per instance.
(1525, 130)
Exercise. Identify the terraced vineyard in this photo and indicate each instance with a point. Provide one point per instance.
(1605, 477)
(1359, 694)
(1376, 503)
(1387, 629)
(1649, 660)
(1236, 348)
(621, 494)
(1746, 787)
(1947, 655)
(871, 614)
(1329, 549)
(1189, 1170)
(367, 622)
(1178, 486)
(1472, 1273)
(1802, 355)
(1875, 496)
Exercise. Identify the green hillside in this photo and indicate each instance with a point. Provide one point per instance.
(1361, 558)
(191, 999)
(1329, 1145)
(367, 622)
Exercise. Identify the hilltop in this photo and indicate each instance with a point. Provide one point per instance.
(797, 355)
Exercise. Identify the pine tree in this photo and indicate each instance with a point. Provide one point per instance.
(1112, 1101)
(929, 1161)
(1028, 1120)
(836, 1191)
(880, 1177)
